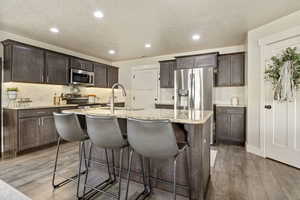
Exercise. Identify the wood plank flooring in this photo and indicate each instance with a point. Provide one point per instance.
(237, 175)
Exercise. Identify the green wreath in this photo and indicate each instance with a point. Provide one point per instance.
(273, 72)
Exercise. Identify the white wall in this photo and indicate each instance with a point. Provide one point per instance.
(125, 68)
(254, 82)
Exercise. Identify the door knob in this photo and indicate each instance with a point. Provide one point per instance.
(268, 107)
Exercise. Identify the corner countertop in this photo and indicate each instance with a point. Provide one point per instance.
(7, 192)
(179, 116)
(52, 106)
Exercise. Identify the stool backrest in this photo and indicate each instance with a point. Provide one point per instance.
(152, 138)
(68, 127)
(104, 131)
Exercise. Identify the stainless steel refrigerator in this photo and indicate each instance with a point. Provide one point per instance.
(193, 89)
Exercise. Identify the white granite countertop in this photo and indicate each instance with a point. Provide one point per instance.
(184, 117)
(230, 105)
(50, 106)
(7, 192)
(41, 106)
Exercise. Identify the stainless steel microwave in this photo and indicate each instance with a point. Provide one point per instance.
(82, 77)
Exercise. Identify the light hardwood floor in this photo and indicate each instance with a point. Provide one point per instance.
(237, 175)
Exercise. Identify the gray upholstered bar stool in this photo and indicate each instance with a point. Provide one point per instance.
(155, 139)
(69, 129)
(104, 132)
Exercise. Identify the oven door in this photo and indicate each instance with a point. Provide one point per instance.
(81, 77)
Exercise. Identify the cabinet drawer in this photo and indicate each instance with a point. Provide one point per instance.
(37, 112)
(229, 110)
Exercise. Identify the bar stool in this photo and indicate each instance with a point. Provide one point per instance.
(69, 129)
(104, 132)
(155, 139)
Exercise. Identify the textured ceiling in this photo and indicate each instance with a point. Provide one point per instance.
(128, 24)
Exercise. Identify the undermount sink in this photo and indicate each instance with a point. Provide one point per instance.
(121, 108)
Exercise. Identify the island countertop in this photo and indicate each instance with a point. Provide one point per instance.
(179, 116)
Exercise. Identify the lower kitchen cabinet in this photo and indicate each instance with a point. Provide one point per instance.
(48, 132)
(28, 129)
(230, 125)
(29, 132)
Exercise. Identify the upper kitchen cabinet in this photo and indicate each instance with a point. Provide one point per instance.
(23, 63)
(167, 73)
(57, 68)
(197, 61)
(112, 76)
(78, 63)
(231, 69)
(100, 71)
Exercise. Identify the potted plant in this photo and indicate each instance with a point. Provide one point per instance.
(12, 93)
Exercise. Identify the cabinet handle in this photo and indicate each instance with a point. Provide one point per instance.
(204, 141)
(42, 121)
(47, 79)
(39, 121)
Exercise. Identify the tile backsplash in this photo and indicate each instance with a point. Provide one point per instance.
(42, 94)
(221, 95)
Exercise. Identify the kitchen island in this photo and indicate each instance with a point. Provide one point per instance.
(196, 126)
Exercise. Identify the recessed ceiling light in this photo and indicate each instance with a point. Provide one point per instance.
(111, 51)
(196, 37)
(147, 45)
(54, 30)
(98, 14)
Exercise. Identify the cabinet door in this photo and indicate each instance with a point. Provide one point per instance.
(185, 62)
(237, 69)
(223, 74)
(112, 76)
(100, 75)
(28, 133)
(209, 60)
(57, 68)
(48, 132)
(171, 71)
(222, 125)
(237, 127)
(164, 75)
(78, 63)
(27, 64)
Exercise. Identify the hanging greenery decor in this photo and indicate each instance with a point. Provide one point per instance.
(284, 74)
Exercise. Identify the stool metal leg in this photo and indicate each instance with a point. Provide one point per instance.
(55, 164)
(128, 175)
(188, 174)
(120, 172)
(174, 177)
(81, 153)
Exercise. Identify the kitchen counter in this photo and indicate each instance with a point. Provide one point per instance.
(183, 117)
(54, 106)
(230, 105)
(195, 127)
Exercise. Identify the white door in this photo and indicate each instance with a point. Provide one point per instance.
(282, 120)
(144, 87)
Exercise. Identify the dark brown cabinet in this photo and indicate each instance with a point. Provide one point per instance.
(29, 133)
(230, 71)
(100, 71)
(28, 129)
(23, 63)
(230, 124)
(78, 63)
(57, 68)
(112, 76)
(196, 61)
(48, 132)
(166, 78)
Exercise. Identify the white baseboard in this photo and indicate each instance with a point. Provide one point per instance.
(254, 150)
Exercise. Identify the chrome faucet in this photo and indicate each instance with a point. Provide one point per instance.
(112, 100)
